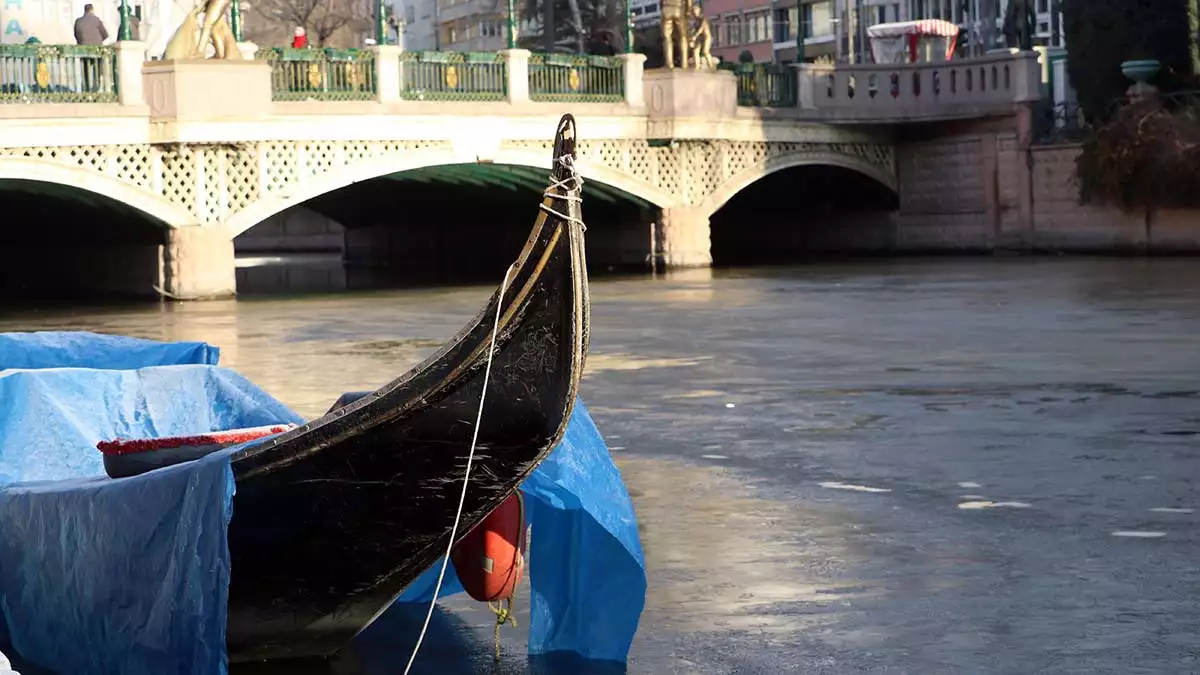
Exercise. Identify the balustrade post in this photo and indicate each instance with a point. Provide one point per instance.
(806, 85)
(1027, 77)
(633, 67)
(387, 73)
(517, 71)
(130, 57)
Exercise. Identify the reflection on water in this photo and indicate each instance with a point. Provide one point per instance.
(887, 467)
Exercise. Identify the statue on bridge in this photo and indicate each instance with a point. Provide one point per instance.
(701, 40)
(683, 22)
(675, 14)
(192, 38)
(1019, 19)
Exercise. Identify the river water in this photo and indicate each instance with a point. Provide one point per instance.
(908, 466)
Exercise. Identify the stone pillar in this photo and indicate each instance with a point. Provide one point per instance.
(635, 89)
(682, 238)
(388, 78)
(517, 61)
(808, 78)
(197, 264)
(130, 57)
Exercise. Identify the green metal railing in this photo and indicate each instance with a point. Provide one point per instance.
(567, 77)
(766, 85)
(453, 76)
(41, 73)
(321, 74)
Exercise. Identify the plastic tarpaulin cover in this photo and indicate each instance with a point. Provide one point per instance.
(131, 576)
(71, 349)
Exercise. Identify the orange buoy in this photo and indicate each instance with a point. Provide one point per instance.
(490, 558)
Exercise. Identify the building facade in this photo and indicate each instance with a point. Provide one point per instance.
(837, 29)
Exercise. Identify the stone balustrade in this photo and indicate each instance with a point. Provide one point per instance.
(299, 81)
(909, 92)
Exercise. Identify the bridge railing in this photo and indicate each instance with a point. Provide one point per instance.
(39, 73)
(766, 84)
(321, 74)
(568, 77)
(453, 76)
(894, 91)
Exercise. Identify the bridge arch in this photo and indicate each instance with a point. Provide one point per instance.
(740, 181)
(35, 170)
(270, 204)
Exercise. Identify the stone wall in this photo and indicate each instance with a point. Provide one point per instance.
(982, 186)
(294, 230)
(944, 194)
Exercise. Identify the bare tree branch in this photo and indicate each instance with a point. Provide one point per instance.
(321, 19)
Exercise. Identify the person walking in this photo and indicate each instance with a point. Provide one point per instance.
(299, 38)
(89, 30)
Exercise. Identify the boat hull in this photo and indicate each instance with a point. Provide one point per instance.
(332, 521)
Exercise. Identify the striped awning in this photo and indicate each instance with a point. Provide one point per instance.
(931, 27)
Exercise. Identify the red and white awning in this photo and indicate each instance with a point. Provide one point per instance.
(930, 27)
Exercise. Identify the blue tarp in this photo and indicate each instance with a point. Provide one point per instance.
(131, 576)
(63, 349)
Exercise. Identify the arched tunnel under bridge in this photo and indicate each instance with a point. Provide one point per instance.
(805, 212)
(450, 223)
(458, 223)
(64, 242)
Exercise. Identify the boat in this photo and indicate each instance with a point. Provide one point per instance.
(334, 519)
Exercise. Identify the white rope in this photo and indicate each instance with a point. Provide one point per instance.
(572, 183)
(462, 497)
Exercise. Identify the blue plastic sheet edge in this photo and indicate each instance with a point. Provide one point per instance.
(75, 553)
(81, 349)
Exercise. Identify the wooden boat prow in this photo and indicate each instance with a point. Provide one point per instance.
(334, 519)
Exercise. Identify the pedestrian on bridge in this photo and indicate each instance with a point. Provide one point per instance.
(89, 30)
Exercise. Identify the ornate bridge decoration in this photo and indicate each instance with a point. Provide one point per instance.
(238, 185)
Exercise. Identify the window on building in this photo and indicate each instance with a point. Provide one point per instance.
(784, 26)
(733, 30)
(818, 19)
(490, 28)
(896, 11)
(718, 30)
(758, 27)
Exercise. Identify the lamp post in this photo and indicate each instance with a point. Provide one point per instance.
(235, 20)
(628, 27)
(124, 31)
(799, 31)
(380, 24)
(511, 29)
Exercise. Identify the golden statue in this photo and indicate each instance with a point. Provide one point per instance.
(183, 42)
(675, 26)
(214, 13)
(192, 38)
(701, 40)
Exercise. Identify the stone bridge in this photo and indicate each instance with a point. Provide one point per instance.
(174, 143)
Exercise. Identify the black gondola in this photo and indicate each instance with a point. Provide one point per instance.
(334, 519)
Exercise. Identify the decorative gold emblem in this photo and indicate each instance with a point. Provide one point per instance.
(451, 77)
(42, 75)
(352, 77)
(314, 75)
(573, 80)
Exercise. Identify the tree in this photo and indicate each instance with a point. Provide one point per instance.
(571, 23)
(321, 19)
(1100, 34)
